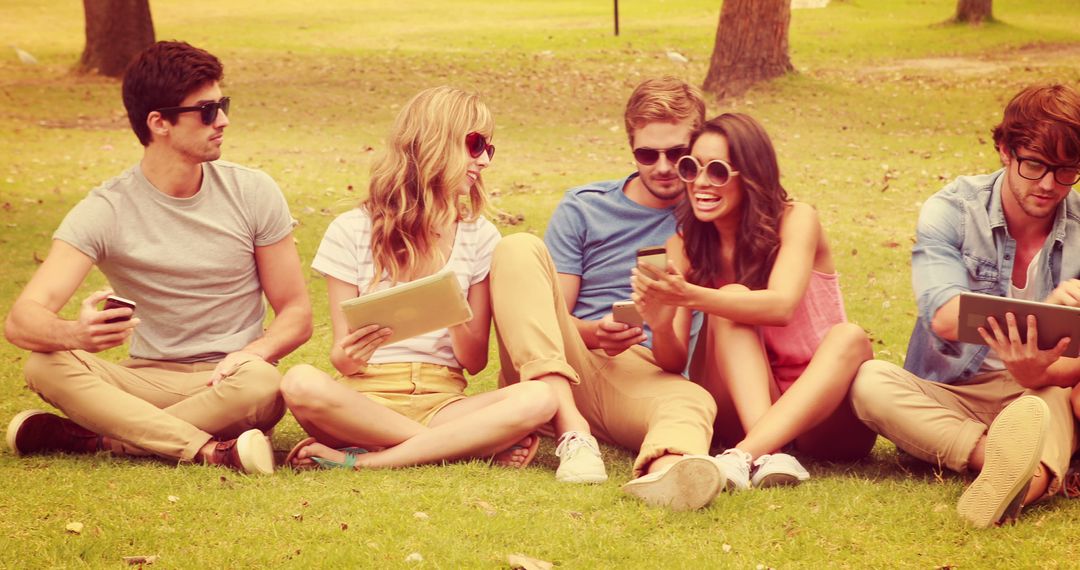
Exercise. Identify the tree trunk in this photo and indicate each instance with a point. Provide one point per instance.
(116, 32)
(974, 12)
(751, 45)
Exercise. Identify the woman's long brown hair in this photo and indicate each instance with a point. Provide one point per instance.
(751, 153)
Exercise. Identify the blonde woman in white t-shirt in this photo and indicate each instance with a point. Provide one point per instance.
(404, 404)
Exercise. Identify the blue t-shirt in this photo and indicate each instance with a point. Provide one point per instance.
(595, 233)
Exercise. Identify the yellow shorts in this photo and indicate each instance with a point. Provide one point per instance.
(416, 390)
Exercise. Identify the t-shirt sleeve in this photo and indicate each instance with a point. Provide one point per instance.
(87, 227)
(565, 236)
(273, 222)
(338, 253)
(487, 237)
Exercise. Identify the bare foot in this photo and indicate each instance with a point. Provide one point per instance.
(518, 455)
(304, 457)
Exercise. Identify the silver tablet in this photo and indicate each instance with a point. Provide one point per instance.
(411, 309)
(1054, 321)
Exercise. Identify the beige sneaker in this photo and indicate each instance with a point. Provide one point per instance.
(579, 459)
(1013, 446)
(690, 483)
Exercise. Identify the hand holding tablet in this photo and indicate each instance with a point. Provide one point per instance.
(1053, 322)
(411, 309)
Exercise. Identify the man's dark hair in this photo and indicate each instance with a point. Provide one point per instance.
(162, 76)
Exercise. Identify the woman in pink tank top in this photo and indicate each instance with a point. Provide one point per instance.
(777, 354)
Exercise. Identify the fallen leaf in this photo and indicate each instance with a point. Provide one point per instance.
(74, 527)
(726, 547)
(487, 508)
(344, 526)
(298, 516)
(414, 557)
(173, 498)
(420, 515)
(522, 561)
(133, 560)
(574, 514)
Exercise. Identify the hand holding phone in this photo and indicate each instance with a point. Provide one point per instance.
(116, 302)
(625, 312)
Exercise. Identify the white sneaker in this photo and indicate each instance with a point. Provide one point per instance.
(735, 465)
(579, 459)
(776, 470)
(690, 483)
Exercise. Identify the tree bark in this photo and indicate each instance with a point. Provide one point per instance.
(751, 45)
(116, 32)
(974, 12)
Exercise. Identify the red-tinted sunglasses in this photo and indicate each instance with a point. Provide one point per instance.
(477, 145)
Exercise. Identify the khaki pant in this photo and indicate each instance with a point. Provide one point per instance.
(157, 407)
(941, 423)
(627, 399)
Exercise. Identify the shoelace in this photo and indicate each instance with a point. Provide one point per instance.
(571, 442)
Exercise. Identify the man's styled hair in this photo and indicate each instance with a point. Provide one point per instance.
(162, 76)
(1045, 119)
(667, 99)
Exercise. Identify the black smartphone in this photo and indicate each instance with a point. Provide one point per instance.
(115, 302)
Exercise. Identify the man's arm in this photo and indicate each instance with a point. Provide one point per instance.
(33, 323)
(282, 281)
(607, 334)
(937, 267)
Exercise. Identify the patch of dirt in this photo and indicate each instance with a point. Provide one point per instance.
(1032, 55)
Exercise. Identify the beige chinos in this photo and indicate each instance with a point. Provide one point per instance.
(941, 423)
(156, 407)
(627, 399)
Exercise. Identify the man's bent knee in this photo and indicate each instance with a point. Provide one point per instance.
(869, 395)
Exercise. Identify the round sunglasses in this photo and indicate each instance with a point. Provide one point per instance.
(207, 111)
(717, 172)
(476, 144)
(649, 156)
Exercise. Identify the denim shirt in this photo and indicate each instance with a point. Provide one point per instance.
(962, 244)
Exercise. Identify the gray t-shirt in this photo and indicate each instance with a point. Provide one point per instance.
(189, 263)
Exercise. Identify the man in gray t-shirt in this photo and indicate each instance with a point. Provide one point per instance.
(194, 243)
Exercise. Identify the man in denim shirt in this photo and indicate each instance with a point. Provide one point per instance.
(1001, 409)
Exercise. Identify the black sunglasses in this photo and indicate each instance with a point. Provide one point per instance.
(649, 156)
(208, 111)
(717, 172)
(476, 144)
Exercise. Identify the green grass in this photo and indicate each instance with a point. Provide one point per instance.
(870, 126)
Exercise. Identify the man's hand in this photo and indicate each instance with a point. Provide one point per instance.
(1023, 360)
(229, 364)
(1068, 294)
(615, 337)
(92, 333)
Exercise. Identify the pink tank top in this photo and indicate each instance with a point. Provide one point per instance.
(791, 347)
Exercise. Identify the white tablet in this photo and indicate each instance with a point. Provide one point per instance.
(1055, 322)
(411, 309)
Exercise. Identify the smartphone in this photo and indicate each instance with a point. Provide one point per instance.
(115, 302)
(655, 256)
(626, 312)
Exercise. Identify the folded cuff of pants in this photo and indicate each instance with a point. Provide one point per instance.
(538, 368)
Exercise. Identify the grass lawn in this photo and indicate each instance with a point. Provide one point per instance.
(886, 107)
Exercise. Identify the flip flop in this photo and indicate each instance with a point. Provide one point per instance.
(532, 448)
(349, 463)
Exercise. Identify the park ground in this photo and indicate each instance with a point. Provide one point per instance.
(885, 108)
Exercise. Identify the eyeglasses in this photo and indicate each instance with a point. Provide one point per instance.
(476, 144)
(208, 111)
(717, 172)
(1035, 170)
(649, 156)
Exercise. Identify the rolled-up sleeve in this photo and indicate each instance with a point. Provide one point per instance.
(938, 272)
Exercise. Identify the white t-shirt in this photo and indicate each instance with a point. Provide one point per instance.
(345, 254)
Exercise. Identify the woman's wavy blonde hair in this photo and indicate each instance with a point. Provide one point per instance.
(414, 183)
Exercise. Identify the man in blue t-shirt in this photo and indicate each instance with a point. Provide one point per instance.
(608, 381)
